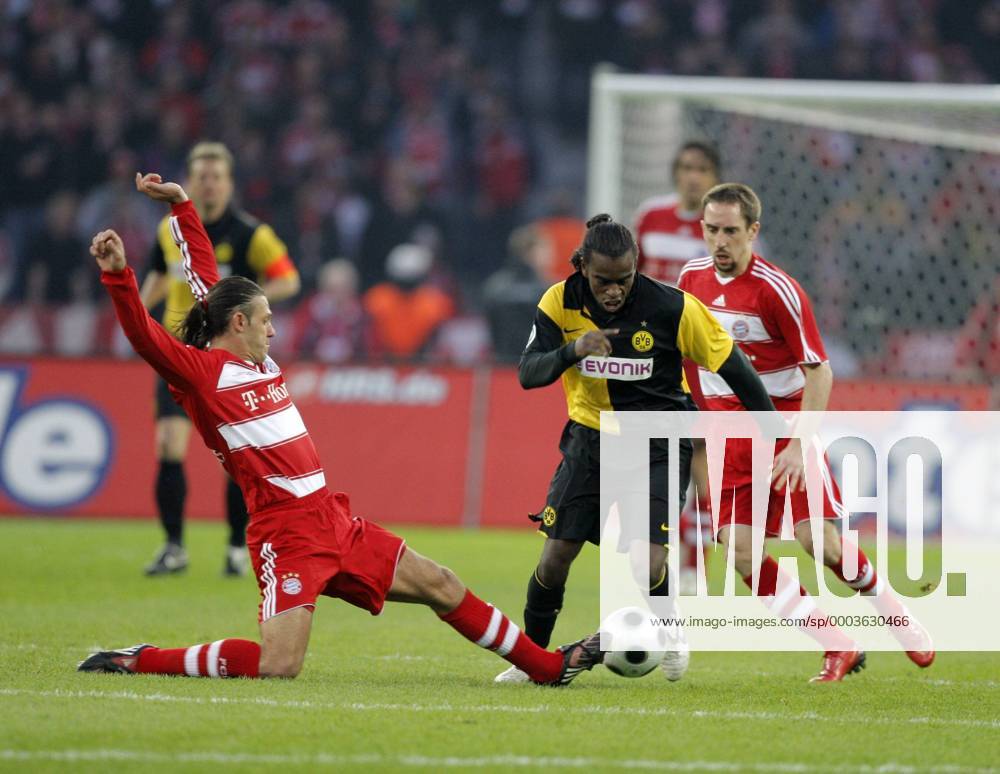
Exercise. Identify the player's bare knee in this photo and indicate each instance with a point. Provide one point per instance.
(833, 546)
(447, 583)
(552, 572)
(557, 557)
(281, 671)
(441, 588)
(281, 665)
(743, 559)
(832, 552)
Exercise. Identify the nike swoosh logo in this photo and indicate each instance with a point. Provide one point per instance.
(664, 528)
(571, 330)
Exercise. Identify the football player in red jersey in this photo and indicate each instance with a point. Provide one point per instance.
(668, 233)
(771, 319)
(303, 540)
(668, 228)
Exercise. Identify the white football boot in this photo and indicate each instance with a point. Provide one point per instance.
(512, 675)
(688, 583)
(678, 655)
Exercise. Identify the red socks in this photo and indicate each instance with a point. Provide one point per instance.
(866, 581)
(788, 600)
(486, 626)
(222, 658)
(870, 585)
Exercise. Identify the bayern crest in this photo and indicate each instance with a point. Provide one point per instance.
(290, 583)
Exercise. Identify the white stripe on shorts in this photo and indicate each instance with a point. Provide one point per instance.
(191, 660)
(270, 582)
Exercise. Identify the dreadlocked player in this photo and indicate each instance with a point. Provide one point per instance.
(616, 338)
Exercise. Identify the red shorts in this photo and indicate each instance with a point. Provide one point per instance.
(314, 546)
(735, 505)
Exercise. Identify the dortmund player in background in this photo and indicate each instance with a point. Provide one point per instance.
(616, 339)
(243, 247)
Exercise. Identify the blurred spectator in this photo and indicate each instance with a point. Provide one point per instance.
(114, 204)
(57, 270)
(984, 39)
(362, 126)
(421, 137)
(29, 158)
(400, 216)
(564, 231)
(330, 324)
(580, 33)
(776, 43)
(502, 178)
(406, 309)
(511, 294)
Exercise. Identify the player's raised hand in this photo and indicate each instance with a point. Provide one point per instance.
(153, 186)
(108, 249)
(789, 465)
(595, 343)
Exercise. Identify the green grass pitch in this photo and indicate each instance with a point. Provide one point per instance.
(404, 692)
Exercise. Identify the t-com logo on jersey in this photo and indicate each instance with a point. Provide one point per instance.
(54, 452)
(275, 393)
(624, 369)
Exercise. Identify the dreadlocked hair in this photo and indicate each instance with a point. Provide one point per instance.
(606, 237)
(210, 317)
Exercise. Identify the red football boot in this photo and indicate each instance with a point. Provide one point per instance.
(839, 663)
(916, 641)
(922, 658)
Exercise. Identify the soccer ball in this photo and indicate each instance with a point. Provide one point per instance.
(637, 646)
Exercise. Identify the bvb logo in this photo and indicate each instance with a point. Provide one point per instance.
(549, 516)
(642, 341)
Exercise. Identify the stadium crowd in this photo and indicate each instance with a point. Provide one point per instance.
(404, 149)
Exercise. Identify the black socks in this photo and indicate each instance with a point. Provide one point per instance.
(171, 491)
(541, 610)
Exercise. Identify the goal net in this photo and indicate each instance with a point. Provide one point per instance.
(881, 199)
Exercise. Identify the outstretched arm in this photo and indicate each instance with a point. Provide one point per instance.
(187, 231)
(180, 365)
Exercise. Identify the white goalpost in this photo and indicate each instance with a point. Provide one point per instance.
(881, 198)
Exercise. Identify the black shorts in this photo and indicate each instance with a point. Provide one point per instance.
(165, 404)
(572, 508)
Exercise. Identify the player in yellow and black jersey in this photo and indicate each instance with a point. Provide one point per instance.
(243, 246)
(616, 338)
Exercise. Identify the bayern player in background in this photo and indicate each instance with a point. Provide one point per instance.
(668, 233)
(770, 318)
(303, 540)
(668, 228)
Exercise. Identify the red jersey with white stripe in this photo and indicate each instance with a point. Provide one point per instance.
(241, 409)
(769, 316)
(668, 237)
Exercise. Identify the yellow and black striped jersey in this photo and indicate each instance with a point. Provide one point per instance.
(658, 327)
(244, 246)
